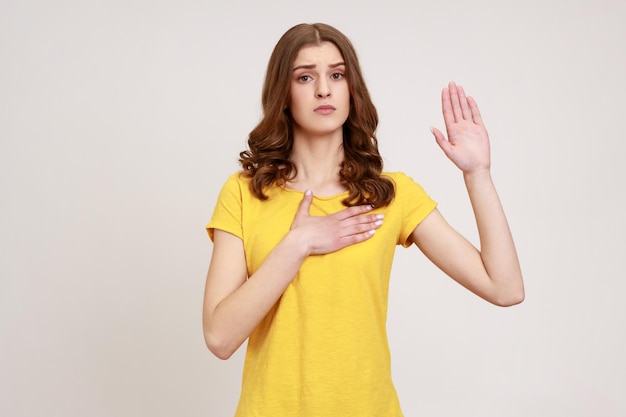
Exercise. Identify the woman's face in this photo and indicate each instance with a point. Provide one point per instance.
(320, 98)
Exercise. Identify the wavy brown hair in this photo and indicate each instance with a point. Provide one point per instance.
(269, 144)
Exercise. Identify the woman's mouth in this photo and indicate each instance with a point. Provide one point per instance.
(325, 109)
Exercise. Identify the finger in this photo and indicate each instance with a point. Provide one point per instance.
(305, 204)
(476, 117)
(353, 211)
(465, 108)
(357, 238)
(446, 107)
(363, 227)
(443, 143)
(454, 99)
(365, 220)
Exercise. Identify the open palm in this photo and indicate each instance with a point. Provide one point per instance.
(467, 144)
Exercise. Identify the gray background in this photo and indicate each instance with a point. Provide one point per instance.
(120, 120)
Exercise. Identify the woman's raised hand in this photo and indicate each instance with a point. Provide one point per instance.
(326, 234)
(467, 144)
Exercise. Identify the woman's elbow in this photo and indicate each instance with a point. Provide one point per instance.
(218, 346)
(509, 299)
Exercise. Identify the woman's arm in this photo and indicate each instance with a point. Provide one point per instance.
(493, 272)
(234, 305)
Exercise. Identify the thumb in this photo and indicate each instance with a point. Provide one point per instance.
(441, 140)
(305, 204)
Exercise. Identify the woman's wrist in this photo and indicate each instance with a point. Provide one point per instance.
(477, 175)
(297, 244)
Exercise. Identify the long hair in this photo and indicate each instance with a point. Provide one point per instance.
(270, 143)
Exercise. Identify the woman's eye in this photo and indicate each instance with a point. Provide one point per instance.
(337, 76)
(304, 78)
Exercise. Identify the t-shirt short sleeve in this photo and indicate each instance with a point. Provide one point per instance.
(227, 215)
(415, 205)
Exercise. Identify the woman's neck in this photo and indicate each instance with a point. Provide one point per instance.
(318, 161)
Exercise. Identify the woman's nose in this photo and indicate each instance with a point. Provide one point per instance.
(323, 89)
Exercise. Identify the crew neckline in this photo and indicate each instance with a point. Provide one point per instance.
(323, 198)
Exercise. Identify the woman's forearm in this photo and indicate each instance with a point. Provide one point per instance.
(233, 319)
(497, 248)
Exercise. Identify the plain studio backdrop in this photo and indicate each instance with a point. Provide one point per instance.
(121, 120)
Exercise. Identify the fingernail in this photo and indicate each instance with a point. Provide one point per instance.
(308, 191)
(378, 222)
(371, 232)
(380, 216)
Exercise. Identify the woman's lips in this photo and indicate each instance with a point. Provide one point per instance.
(324, 109)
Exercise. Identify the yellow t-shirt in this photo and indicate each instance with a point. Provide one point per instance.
(322, 350)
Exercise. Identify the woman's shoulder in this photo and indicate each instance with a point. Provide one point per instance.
(237, 178)
(234, 185)
(398, 176)
(404, 183)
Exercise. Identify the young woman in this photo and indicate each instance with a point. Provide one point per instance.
(305, 234)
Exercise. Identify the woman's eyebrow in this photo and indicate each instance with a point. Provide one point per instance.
(312, 66)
